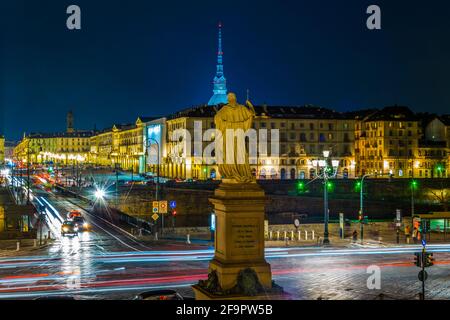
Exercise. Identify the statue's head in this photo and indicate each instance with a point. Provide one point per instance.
(231, 98)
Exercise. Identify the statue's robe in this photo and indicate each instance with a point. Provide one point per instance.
(234, 117)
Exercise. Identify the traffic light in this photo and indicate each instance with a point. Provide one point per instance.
(429, 260)
(360, 217)
(418, 259)
(174, 213)
(330, 186)
(357, 186)
(414, 184)
(301, 187)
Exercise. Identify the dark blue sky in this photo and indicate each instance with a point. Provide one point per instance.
(150, 58)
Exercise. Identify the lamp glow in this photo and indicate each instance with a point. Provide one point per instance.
(99, 194)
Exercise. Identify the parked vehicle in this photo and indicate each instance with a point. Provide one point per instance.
(159, 295)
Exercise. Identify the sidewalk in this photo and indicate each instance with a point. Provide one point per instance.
(9, 247)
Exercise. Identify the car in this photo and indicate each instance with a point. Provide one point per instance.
(81, 223)
(72, 214)
(159, 295)
(69, 228)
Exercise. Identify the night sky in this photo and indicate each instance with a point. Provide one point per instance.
(152, 58)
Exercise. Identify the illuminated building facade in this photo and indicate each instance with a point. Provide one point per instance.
(123, 146)
(64, 148)
(304, 133)
(2, 149)
(396, 141)
(102, 148)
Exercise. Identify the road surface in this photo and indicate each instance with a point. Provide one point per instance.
(107, 263)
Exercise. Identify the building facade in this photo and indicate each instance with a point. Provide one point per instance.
(304, 133)
(2, 149)
(396, 141)
(127, 147)
(61, 148)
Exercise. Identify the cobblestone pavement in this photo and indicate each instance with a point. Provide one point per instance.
(342, 277)
(346, 277)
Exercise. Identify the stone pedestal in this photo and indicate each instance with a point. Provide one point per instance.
(239, 243)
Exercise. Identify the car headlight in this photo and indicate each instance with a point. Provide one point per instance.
(85, 225)
(65, 229)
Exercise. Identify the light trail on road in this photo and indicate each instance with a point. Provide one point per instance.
(107, 262)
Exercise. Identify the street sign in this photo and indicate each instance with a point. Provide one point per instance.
(163, 207)
(399, 214)
(341, 225)
(155, 216)
(423, 275)
(297, 223)
(173, 204)
(341, 220)
(155, 205)
(424, 242)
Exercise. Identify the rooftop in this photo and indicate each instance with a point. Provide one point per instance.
(76, 134)
(393, 113)
(283, 112)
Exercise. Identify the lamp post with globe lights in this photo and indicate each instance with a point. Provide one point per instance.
(329, 171)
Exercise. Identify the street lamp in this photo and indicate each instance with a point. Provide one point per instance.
(28, 168)
(157, 173)
(157, 168)
(361, 201)
(413, 187)
(329, 171)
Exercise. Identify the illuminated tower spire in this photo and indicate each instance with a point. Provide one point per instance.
(220, 83)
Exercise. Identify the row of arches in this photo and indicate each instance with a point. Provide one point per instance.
(272, 174)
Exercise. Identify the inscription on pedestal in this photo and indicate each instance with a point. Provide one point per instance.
(245, 236)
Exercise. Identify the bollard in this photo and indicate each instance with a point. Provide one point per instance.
(35, 243)
(270, 235)
(17, 246)
(140, 232)
(313, 234)
(292, 235)
(407, 240)
(285, 234)
(299, 235)
(278, 235)
(188, 239)
(306, 234)
(156, 235)
(286, 240)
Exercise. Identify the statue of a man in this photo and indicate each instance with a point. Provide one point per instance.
(237, 119)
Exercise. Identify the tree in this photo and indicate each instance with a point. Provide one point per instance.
(440, 195)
